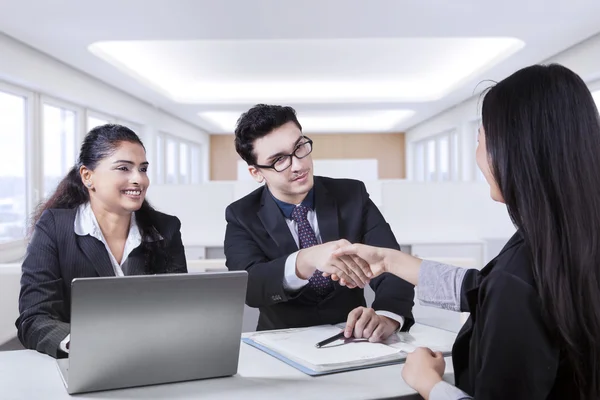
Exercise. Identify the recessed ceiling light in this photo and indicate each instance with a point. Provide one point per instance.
(306, 71)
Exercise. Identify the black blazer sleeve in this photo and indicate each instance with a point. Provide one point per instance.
(265, 277)
(41, 324)
(391, 293)
(516, 356)
(176, 250)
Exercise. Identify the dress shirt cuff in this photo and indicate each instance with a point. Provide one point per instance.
(445, 391)
(391, 315)
(63, 344)
(440, 285)
(290, 279)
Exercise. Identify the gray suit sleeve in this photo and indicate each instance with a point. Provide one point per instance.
(440, 285)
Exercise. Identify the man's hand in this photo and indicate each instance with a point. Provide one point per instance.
(352, 271)
(365, 323)
(423, 370)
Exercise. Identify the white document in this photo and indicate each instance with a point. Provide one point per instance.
(298, 345)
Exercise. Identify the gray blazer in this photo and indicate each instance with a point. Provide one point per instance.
(56, 255)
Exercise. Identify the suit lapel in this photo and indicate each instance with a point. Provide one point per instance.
(327, 213)
(135, 263)
(96, 254)
(274, 222)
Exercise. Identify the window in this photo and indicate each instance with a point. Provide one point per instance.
(419, 174)
(171, 175)
(160, 159)
(454, 163)
(443, 144)
(196, 161)
(184, 166)
(436, 158)
(59, 142)
(430, 174)
(13, 179)
(95, 119)
(177, 161)
(478, 174)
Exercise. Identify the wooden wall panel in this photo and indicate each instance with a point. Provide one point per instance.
(388, 148)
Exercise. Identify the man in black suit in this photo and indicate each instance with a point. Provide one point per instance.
(285, 232)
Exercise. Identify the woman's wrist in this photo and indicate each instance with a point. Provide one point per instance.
(426, 385)
(402, 265)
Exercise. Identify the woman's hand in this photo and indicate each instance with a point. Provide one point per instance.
(423, 370)
(375, 257)
(380, 260)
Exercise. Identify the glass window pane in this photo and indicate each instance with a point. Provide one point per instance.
(184, 173)
(196, 165)
(454, 156)
(430, 172)
(444, 153)
(93, 122)
(478, 174)
(419, 162)
(160, 159)
(59, 126)
(171, 161)
(13, 184)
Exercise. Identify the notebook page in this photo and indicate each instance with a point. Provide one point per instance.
(299, 345)
(423, 336)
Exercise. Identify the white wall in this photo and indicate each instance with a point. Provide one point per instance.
(418, 212)
(583, 58)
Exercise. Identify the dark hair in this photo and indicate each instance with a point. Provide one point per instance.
(99, 143)
(257, 122)
(542, 132)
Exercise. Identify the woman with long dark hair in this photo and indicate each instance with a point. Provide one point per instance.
(535, 309)
(97, 223)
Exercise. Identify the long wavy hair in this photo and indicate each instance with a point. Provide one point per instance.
(542, 132)
(98, 144)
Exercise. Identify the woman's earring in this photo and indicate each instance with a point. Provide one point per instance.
(89, 185)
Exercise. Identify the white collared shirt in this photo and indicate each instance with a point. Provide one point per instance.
(87, 224)
(292, 282)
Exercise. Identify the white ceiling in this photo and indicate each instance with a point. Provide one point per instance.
(346, 65)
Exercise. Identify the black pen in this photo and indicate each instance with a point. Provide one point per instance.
(331, 339)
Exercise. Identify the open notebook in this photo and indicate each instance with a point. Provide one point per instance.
(297, 348)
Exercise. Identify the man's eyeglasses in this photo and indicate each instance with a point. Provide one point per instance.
(284, 161)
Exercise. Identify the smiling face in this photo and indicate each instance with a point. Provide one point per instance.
(292, 184)
(119, 182)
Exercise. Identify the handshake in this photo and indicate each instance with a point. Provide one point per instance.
(353, 265)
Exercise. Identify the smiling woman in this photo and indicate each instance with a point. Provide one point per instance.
(97, 223)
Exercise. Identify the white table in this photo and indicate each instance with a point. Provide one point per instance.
(29, 375)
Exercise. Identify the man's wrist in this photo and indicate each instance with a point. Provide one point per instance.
(304, 268)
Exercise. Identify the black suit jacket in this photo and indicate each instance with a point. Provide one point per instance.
(55, 256)
(259, 241)
(505, 349)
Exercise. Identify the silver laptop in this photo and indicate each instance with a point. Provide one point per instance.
(146, 330)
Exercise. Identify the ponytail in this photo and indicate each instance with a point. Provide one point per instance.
(70, 193)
